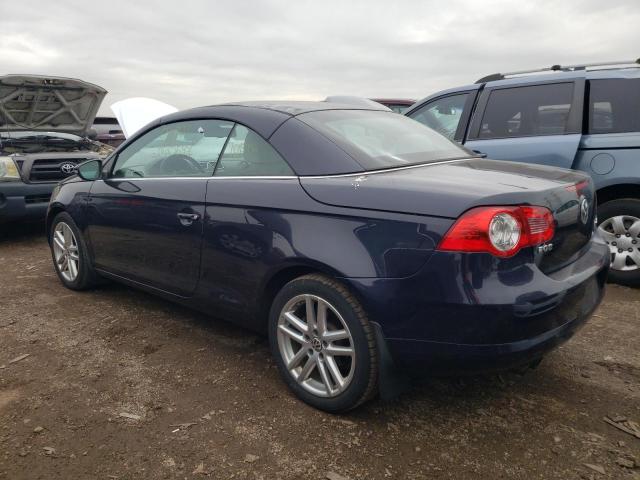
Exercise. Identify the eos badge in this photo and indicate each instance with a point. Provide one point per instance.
(68, 168)
(544, 248)
(584, 209)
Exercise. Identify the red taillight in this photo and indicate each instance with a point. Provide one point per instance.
(501, 231)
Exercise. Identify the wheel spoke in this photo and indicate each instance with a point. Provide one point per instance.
(321, 318)
(292, 334)
(324, 376)
(310, 312)
(65, 264)
(296, 322)
(74, 256)
(341, 351)
(297, 358)
(634, 229)
(66, 232)
(617, 224)
(335, 371)
(608, 236)
(59, 243)
(335, 335)
(619, 261)
(60, 237)
(307, 369)
(73, 269)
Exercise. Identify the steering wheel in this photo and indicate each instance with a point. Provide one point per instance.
(178, 163)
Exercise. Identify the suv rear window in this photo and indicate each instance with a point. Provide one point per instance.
(527, 111)
(614, 105)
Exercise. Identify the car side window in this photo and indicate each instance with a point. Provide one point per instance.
(614, 105)
(443, 114)
(181, 149)
(527, 111)
(247, 154)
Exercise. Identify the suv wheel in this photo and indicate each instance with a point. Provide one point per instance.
(70, 255)
(619, 224)
(323, 344)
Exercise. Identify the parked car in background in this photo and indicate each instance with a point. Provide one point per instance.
(358, 239)
(398, 105)
(44, 123)
(107, 130)
(584, 117)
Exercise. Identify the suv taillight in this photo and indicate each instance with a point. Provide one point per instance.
(501, 231)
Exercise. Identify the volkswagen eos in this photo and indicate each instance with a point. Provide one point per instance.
(365, 244)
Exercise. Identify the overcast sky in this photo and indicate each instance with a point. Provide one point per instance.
(197, 52)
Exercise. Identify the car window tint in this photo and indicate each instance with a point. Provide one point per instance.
(247, 154)
(180, 149)
(527, 111)
(614, 105)
(443, 114)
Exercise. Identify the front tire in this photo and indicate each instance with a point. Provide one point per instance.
(70, 254)
(619, 224)
(323, 344)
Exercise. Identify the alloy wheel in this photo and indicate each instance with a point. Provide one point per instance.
(316, 345)
(622, 234)
(65, 251)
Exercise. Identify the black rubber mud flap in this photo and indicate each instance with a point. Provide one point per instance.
(392, 381)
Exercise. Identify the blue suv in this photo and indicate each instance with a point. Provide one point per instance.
(584, 117)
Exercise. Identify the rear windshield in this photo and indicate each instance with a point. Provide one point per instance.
(378, 140)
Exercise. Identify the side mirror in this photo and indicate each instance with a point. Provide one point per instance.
(92, 134)
(90, 170)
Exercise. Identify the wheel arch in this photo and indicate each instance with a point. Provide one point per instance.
(618, 191)
(283, 275)
(54, 210)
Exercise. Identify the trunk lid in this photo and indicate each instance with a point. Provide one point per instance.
(449, 189)
(52, 104)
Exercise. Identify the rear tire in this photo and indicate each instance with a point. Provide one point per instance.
(70, 254)
(619, 224)
(331, 364)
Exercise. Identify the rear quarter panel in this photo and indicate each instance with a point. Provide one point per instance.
(610, 159)
(255, 229)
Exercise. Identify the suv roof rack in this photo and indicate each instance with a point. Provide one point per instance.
(561, 68)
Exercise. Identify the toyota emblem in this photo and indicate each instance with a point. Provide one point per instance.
(68, 168)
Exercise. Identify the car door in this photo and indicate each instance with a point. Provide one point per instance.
(539, 123)
(448, 114)
(243, 237)
(146, 215)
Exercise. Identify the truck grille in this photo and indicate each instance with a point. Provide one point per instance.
(51, 169)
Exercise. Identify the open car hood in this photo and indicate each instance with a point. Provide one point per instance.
(50, 104)
(134, 113)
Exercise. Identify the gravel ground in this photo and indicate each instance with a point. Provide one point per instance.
(119, 384)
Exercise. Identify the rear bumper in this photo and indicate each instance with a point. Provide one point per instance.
(24, 201)
(460, 314)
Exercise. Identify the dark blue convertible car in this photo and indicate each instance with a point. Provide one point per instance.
(363, 242)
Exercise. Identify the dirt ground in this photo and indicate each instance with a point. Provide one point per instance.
(119, 384)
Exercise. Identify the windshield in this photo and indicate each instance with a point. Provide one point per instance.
(383, 139)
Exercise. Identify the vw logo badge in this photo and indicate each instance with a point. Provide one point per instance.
(584, 209)
(316, 344)
(68, 168)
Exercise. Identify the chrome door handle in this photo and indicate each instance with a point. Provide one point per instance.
(187, 219)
